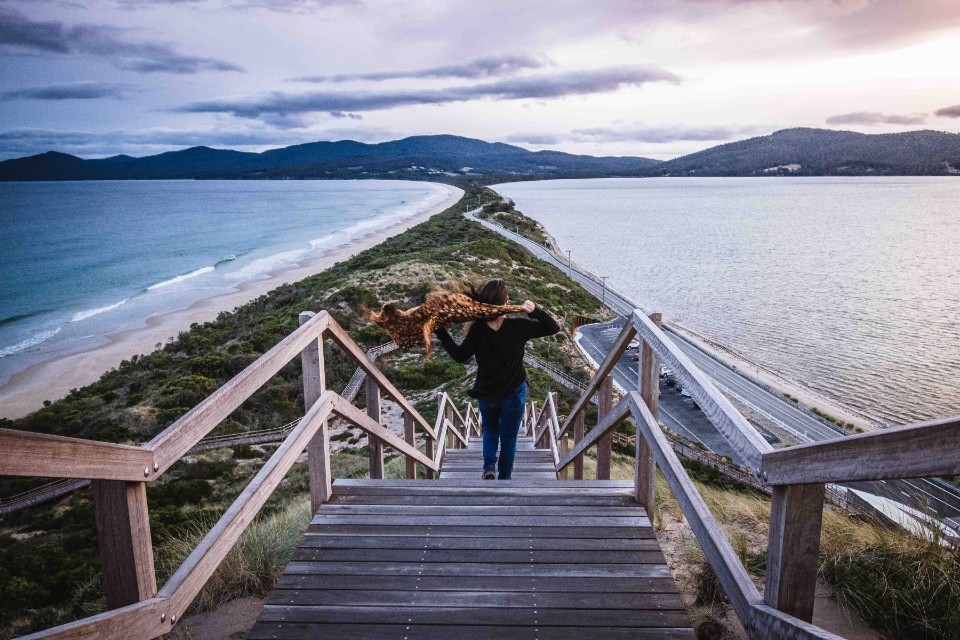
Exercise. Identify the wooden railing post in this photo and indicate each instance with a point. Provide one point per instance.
(604, 444)
(318, 451)
(578, 433)
(645, 468)
(123, 530)
(411, 439)
(375, 445)
(795, 518)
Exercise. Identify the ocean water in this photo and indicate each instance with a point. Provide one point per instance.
(79, 260)
(848, 285)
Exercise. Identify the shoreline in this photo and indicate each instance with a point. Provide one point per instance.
(53, 379)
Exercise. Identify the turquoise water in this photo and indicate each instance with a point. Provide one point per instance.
(79, 260)
(850, 286)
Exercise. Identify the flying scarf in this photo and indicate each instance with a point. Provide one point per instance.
(415, 326)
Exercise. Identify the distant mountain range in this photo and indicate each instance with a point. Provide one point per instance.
(445, 158)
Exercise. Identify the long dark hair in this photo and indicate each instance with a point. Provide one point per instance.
(490, 292)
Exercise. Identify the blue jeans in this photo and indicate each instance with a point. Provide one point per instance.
(501, 423)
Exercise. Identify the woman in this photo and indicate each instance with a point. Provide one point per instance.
(501, 384)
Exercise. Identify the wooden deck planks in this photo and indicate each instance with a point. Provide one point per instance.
(460, 557)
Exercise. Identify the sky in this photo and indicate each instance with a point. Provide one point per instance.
(651, 78)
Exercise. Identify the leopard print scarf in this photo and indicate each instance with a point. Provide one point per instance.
(415, 326)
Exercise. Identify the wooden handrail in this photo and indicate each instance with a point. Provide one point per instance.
(729, 422)
(177, 439)
(361, 420)
(23, 453)
(732, 576)
(619, 346)
(184, 585)
(917, 450)
(343, 339)
(609, 422)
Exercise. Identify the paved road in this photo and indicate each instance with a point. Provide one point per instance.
(680, 414)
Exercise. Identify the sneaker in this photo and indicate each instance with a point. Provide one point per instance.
(489, 473)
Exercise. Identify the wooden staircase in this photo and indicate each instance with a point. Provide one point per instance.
(460, 557)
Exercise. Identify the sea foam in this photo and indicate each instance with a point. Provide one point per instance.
(180, 278)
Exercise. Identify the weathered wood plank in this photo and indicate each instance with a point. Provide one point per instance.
(911, 451)
(556, 499)
(318, 450)
(609, 422)
(482, 521)
(343, 339)
(301, 596)
(729, 422)
(733, 577)
(36, 454)
(324, 541)
(522, 585)
(418, 510)
(480, 532)
(307, 631)
(187, 581)
(527, 485)
(621, 343)
(792, 552)
(358, 418)
(141, 620)
(644, 466)
(410, 437)
(532, 616)
(123, 533)
(469, 556)
(177, 439)
(374, 444)
(655, 570)
(604, 441)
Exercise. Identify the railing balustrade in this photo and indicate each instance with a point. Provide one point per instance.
(795, 476)
(119, 474)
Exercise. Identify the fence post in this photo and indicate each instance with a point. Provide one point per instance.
(123, 531)
(604, 444)
(644, 467)
(318, 450)
(411, 439)
(795, 518)
(578, 433)
(375, 445)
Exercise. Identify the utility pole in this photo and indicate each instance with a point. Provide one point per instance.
(569, 263)
(604, 294)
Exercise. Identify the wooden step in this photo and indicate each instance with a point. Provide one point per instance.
(466, 558)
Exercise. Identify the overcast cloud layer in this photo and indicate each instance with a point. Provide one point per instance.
(655, 78)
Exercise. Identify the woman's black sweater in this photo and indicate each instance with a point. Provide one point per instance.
(499, 353)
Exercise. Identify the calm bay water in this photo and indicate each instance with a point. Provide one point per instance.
(851, 286)
(79, 260)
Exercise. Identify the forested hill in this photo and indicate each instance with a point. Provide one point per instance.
(441, 158)
(819, 152)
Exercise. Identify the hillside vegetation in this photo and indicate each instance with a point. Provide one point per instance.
(822, 152)
(49, 563)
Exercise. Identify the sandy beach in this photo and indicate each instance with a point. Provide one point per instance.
(53, 379)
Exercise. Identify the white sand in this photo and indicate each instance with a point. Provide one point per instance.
(53, 379)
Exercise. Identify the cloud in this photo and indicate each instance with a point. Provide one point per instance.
(283, 6)
(874, 117)
(489, 66)
(69, 91)
(20, 34)
(647, 134)
(528, 87)
(948, 112)
(540, 139)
